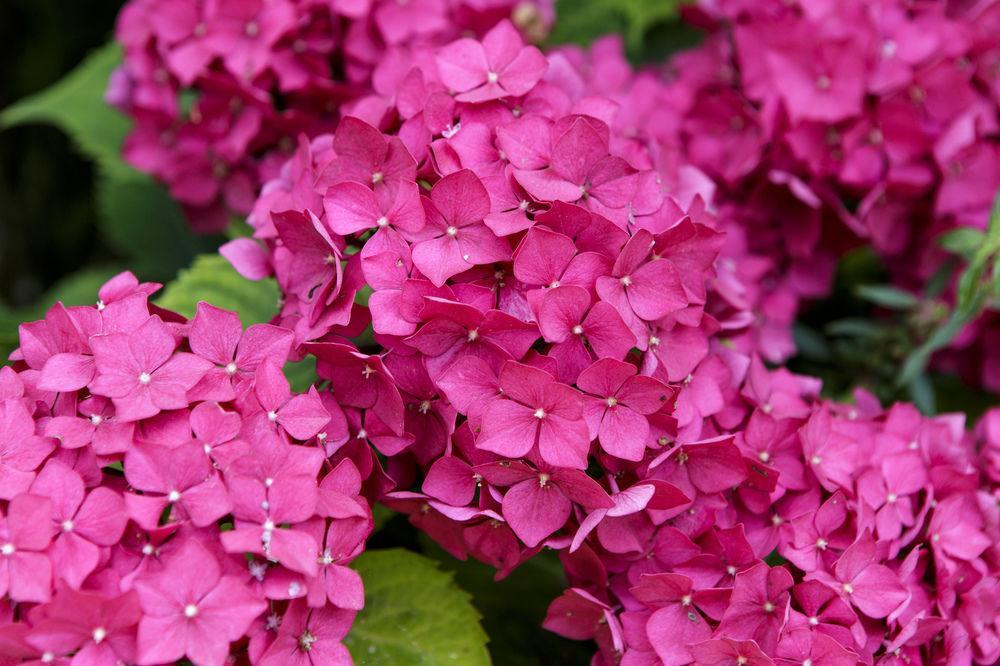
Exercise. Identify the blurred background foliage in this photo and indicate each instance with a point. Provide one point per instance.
(48, 218)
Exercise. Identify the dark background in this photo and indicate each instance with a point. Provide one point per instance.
(47, 212)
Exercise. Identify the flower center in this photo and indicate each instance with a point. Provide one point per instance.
(768, 607)
(190, 611)
(492, 77)
(329, 260)
(174, 496)
(252, 29)
(764, 456)
(7, 549)
(891, 498)
(848, 588)
(67, 525)
(95, 419)
(306, 641)
(231, 369)
(612, 401)
(452, 231)
(578, 330)
(144, 378)
(822, 543)
(377, 177)
(543, 478)
(815, 460)
(100, 634)
(272, 415)
(626, 281)
(823, 82)
(424, 407)
(473, 335)
(382, 221)
(540, 413)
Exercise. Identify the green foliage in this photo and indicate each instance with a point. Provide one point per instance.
(978, 287)
(888, 296)
(138, 218)
(76, 105)
(301, 374)
(513, 608)
(415, 614)
(582, 22)
(211, 278)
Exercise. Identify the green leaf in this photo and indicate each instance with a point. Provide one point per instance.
(301, 374)
(810, 343)
(414, 615)
(139, 219)
(852, 327)
(76, 105)
(211, 278)
(513, 608)
(582, 22)
(922, 394)
(963, 241)
(976, 288)
(775, 559)
(887, 296)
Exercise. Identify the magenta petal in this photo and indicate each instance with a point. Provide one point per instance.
(623, 433)
(672, 628)
(66, 372)
(509, 429)
(535, 511)
(304, 415)
(350, 207)
(877, 591)
(450, 480)
(521, 75)
(546, 185)
(344, 588)
(248, 257)
(439, 259)
(462, 65)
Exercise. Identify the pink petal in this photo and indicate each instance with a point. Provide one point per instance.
(66, 372)
(535, 511)
(508, 429)
(462, 65)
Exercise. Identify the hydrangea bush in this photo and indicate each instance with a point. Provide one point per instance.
(544, 295)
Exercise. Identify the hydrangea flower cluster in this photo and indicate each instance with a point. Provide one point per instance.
(164, 494)
(828, 124)
(557, 362)
(220, 91)
(865, 122)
